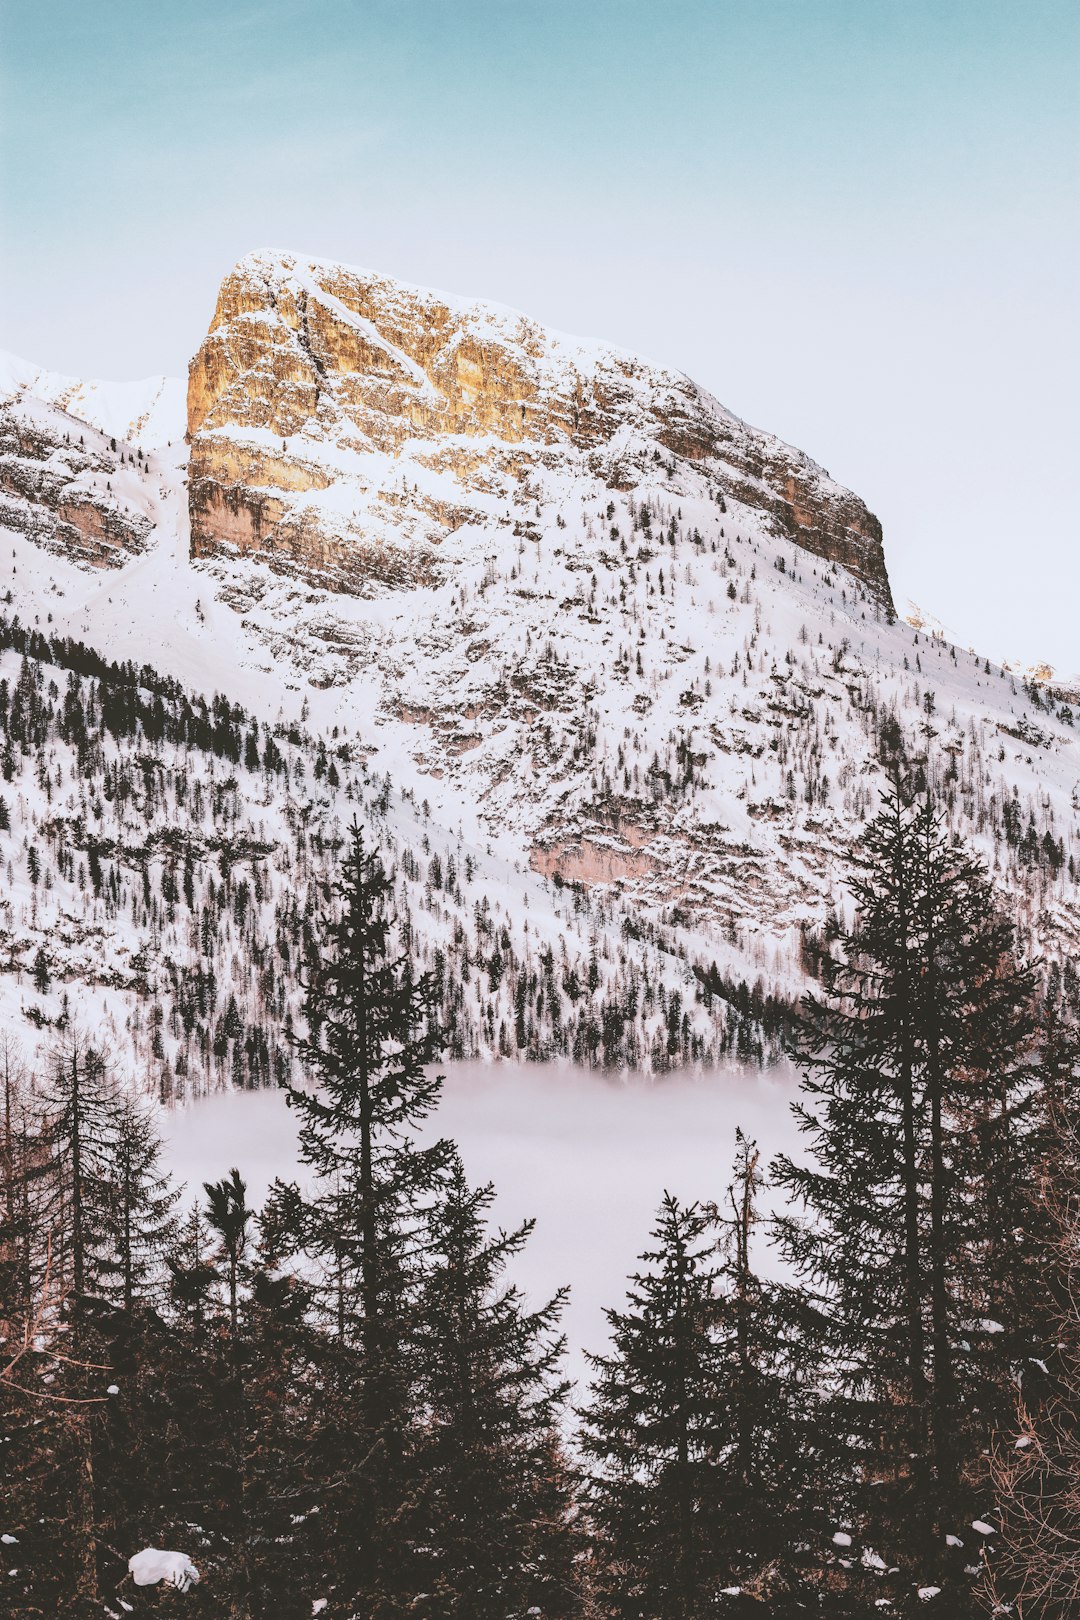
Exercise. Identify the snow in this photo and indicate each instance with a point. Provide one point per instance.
(149, 1567)
(841, 1539)
(734, 869)
(737, 844)
(146, 413)
(983, 1528)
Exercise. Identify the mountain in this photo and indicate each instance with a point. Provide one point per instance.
(572, 618)
(65, 482)
(347, 429)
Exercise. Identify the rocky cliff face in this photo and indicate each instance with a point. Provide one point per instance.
(70, 489)
(355, 432)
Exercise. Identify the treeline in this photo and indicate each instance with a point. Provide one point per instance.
(341, 1404)
(173, 850)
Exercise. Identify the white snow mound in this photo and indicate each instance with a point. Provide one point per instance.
(152, 1565)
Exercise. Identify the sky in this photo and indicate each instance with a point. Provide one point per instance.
(856, 222)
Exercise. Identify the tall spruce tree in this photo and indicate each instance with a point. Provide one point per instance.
(84, 1115)
(919, 1081)
(490, 1530)
(142, 1199)
(777, 1458)
(657, 1435)
(362, 1223)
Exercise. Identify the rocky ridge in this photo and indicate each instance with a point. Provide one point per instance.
(347, 428)
(66, 482)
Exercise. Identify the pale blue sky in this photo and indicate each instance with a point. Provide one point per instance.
(856, 221)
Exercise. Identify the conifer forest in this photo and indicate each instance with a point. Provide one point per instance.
(341, 1403)
(539, 888)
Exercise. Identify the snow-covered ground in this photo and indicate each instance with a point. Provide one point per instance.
(626, 682)
(588, 1157)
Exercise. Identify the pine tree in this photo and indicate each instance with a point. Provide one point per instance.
(142, 1199)
(918, 1080)
(490, 1528)
(370, 1043)
(1034, 1568)
(84, 1118)
(656, 1432)
(192, 1272)
(777, 1459)
(228, 1215)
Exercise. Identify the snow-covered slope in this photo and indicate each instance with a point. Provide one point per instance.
(81, 485)
(619, 673)
(147, 414)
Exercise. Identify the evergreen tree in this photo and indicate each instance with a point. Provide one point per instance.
(1034, 1565)
(490, 1530)
(228, 1215)
(192, 1272)
(919, 1084)
(370, 1043)
(657, 1433)
(84, 1119)
(142, 1199)
(777, 1459)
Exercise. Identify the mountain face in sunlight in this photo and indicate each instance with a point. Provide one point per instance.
(627, 665)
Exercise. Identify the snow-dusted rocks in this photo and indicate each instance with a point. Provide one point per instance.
(69, 487)
(551, 592)
(350, 430)
(152, 1565)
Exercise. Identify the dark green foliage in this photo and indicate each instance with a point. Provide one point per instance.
(919, 1087)
(710, 1463)
(1035, 1568)
(489, 1523)
(658, 1434)
(142, 1200)
(346, 1401)
(362, 1224)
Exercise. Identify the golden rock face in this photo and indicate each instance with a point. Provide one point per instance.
(344, 425)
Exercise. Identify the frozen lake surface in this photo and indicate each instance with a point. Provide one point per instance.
(589, 1156)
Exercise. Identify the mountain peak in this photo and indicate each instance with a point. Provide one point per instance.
(346, 425)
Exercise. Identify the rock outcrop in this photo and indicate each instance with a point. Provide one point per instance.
(69, 488)
(356, 432)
